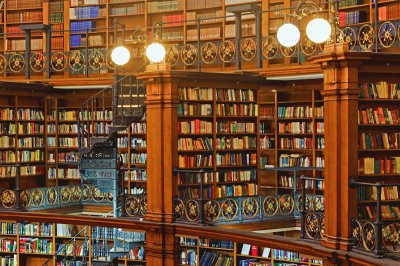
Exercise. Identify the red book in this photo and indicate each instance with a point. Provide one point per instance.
(254, 250)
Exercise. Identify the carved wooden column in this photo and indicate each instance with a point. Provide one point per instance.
(340, 93)
(161, 126)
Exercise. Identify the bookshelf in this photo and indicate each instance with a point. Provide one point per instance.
(204, 251)
(291, 138)
(379, 154)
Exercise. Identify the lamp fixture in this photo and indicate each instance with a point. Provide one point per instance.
(155, 52)
(120, 55)
(318, 30)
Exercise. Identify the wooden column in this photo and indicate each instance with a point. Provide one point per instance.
(161, 120)
(340, 94)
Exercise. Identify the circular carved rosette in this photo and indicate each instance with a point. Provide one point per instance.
(307, 46)
(300, 203)
(51, 195)
(179, 208)
(58, 61)
(270, 47)
(356, 233)
(3, 63)
(227, 51)
(109, 62)
(96, 59)
(192, 210)
(321, 226)
(350, 37)
(76, 60)
(86, 192)
(387, 34)
(391, 237)
(368, 236)
(172, 55)
(229, 209)
(24, 199)
(37, 62)
(318, 203)
(212, 210)
(139, 36)
(65, 194)
(312, 226)
(209, 52)
(366, 37)
(16, 63)
(97, 195)
(76, 193)
(143, 206)
(288, 51)
(248, 49)
(189, 54)
(270, 206)
(286, 204)
(132, 205)
(8, 199)
(36, 197)
(250, 207)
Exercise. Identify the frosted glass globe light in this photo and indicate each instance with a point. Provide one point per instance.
(318, 30)
(155, 52)
(120, 55)
(288, 35)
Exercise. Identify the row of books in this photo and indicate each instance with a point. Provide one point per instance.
(25, 16)
(379, 90)
(81, 26)
(205, 34)
(193, 178)
(20, 45)
(216, 243)
(63, 157)
(7, 114)
(10, 260)
(138, 8)
(57, 30)
(267, 142)
(92, 40)
(56, 17)
(346, 3)
(87, 2)
(69, 173)
(371, 193)
(31, 142)
(295, 127)
(294, 160)
(172, 36)
(378, 116)
(64, 115)
(35, 245)
(30, 114)
(196, 94)
(213, 259)
(173, 20)
(8, 228)
(248, 29)
(229, 109)
(136, 175)
(29, 128)
(388, 12)
(31, 156)
(296, 111)
(388, 212)
(164, 6)
(87, 12)
(18, 4)
(233, 2)
(188, 257)
(7, 142)
(370, 165)
(296, 143)
(194, 193)
(352, 17)
(35, 229)
(320, 143)
(32, 170)
(236, 95)
(236, 190)
(56, 6)
(123, 142)
(68, 142)
(201, 4)
(236, 159)
(189, 144)
(195, 126)
(211, 17)
(138, 128)
(266, 127)
(185, 161)
(379, 140)
(195, 109)
(236, 143)
(71, 250)
(138, 158)
(234, 176)
(7, 128)
(235, 127)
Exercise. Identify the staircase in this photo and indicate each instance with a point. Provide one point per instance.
(99, 161)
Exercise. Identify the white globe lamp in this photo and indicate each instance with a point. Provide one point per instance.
(318, 30)
(288, 35)
(155, 52)
(120, 55)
